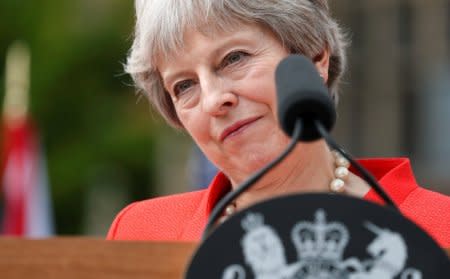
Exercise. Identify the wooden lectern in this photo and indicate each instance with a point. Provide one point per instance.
(86, 258)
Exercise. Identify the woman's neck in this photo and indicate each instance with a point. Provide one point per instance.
(309, 168)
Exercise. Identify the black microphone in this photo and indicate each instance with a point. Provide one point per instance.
(303, 95)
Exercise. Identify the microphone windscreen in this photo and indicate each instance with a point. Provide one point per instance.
(301, 93)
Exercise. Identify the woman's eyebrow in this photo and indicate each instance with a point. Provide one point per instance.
(168, 77)
(234, 41)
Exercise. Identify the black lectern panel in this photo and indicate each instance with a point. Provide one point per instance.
(319, 236)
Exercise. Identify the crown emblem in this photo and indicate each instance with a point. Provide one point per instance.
(320, 239)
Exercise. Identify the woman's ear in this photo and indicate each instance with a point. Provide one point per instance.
(322, 62)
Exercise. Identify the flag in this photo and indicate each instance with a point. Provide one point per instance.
(26, 202)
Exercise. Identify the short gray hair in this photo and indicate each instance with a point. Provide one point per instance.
(303, 26)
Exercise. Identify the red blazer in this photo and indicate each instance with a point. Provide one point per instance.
(184, 216)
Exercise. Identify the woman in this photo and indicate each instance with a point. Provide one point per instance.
(208, 67)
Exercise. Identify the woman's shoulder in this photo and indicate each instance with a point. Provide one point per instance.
(161, 218)
(431, 211)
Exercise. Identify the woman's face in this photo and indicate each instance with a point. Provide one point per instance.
(223, 90)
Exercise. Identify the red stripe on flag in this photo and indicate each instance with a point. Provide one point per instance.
(19, 167)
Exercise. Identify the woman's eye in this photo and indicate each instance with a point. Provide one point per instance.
(233, 58)
(182, 86)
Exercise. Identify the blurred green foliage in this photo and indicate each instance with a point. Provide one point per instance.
(90, 123)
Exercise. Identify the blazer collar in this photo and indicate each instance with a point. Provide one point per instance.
(394, 174)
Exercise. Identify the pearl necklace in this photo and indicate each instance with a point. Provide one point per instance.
(337, 185)
(341, 173)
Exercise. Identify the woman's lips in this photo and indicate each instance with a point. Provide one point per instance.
(237, 127)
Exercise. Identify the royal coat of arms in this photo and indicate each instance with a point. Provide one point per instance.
(319, 247)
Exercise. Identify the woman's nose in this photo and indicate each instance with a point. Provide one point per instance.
(217, 96)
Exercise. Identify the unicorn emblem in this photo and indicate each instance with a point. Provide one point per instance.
(389, 254)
